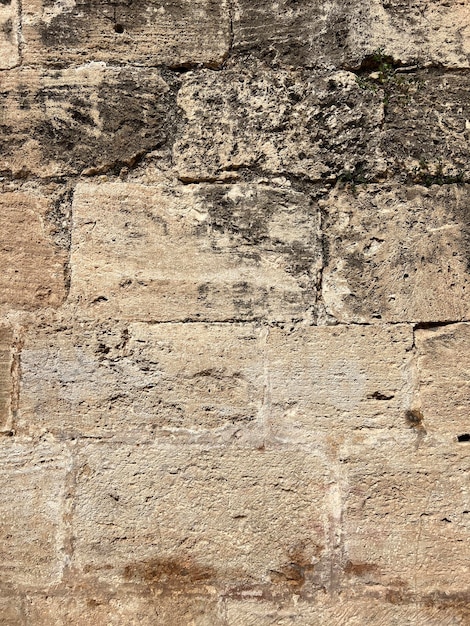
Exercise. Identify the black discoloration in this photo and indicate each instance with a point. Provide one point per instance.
(84, 127)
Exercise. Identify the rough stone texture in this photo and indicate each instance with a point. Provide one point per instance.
(234, 313)
(147, 32)
(6, 362)
(341, 379)
(315, 126)
(345, 33)
(198, 252)
(397, 254)
(427, 127)
(140, 381)
(88, 119)
(33, 540)
(9, 50)
(232, 518)
(444, 366)
(33, 266)
(393, 546)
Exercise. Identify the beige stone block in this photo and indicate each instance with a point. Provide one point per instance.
(444, 381)
(119, 607)
(340, 611)
(329, 382)
(194, 519)
(406, 520)
(295, 122)
(190, 381)
(88, 119)
(171, 32)
(198, 252)
(346, 33)
(426, 132)
(6, 383)
(397, 254)
(9, 26)
(32, 533)
(33, 266)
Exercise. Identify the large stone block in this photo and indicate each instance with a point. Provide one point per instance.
(6, 362)
(444, 381)
(87, 119)
(331, 383)
(278, 121)
(33, 266)
(9, 26)
(32, 537)
(426, 133)
(190, 381)
(397, 254)
(147, 32)
(406, 520)
(347, 33)
(177, 519)
(197, 252)
(119, 607)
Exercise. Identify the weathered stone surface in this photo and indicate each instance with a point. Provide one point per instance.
(338, 379)
(33, 266)
(426, 132)
(171, 32)
(397, 254)
(167, 380)
(6, 361)
(346, 33)
(190, 519)
(444, 381)
(32, 538)
(117, 607)
(194, 252)
(341, 610)
(9, 50)
(87, 119)
(278, 121)
(406, 521)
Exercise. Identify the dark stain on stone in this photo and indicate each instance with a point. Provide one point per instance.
(170, 574)
(7, 28)
(359, 568)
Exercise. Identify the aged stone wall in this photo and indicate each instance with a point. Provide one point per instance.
(234, 312)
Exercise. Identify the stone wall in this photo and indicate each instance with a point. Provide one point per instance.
(234, 312)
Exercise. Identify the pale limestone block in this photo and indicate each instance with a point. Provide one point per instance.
(190, 381)
(9, 25)
(296, 122)
(406, 520)
(397, 254)
(444, 381)
(32, 532)
(6, 362)
(330, 382)
(347, 33)
(200, 252)
(172, 32)
(33, 266)
(351, 611)
(86, 119)
(194, 519)
(117, 606)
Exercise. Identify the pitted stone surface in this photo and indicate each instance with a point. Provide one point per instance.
(146, 32)
(157, 253)
(397, 254)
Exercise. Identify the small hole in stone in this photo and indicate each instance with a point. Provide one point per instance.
(464, 437)
(118, 28)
